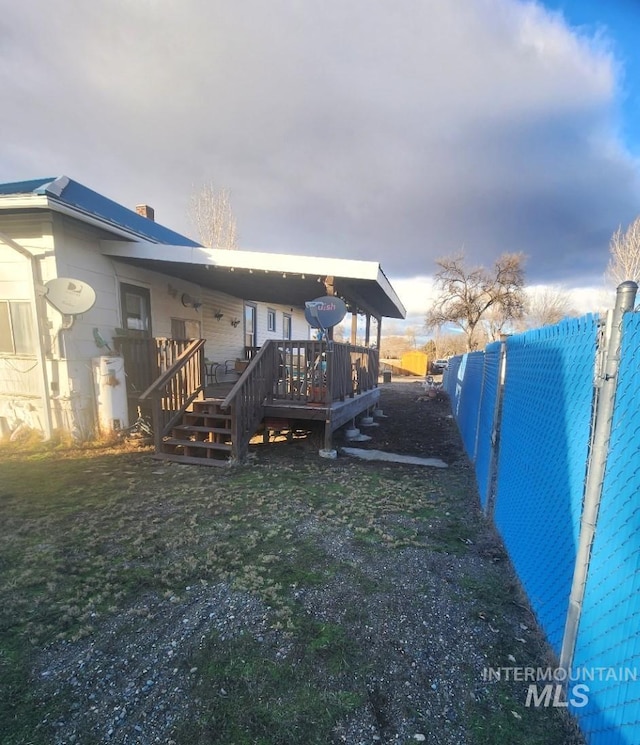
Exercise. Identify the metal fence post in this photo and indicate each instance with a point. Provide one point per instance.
(605, 393)
(477, 437)
(495, 431)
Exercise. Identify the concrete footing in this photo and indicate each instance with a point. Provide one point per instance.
(329, 454)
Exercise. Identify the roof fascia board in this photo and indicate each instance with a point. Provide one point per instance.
(162, 252)
(254, 260)
(320, 265)
(22, 201)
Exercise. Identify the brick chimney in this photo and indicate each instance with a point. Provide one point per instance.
(145, 211)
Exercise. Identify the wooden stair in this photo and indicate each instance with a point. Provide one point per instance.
(203, 438)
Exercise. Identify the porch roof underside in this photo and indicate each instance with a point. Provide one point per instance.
(270, 278)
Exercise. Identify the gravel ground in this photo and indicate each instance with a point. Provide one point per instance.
(423, 635)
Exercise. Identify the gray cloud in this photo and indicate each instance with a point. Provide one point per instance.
(398, 132)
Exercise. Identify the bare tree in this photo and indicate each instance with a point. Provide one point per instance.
(394, 346)
(212, 216)
(546, 307)
(493, 324)
(466, 295)
(625, 254)
(449, 345)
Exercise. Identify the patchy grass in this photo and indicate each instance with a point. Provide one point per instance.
(247, 697)
(85, 532)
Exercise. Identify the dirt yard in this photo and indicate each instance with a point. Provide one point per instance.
(291, 600)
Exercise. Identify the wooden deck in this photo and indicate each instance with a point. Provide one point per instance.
(338, 413)
(285, 382)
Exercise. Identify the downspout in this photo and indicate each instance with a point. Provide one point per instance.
(606, 384)
(40, 350)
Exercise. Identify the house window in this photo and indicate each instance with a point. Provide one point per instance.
(185, 329)
(286, 326)
(17, 329)
(271, 320)
(136, 309)
(250, 325)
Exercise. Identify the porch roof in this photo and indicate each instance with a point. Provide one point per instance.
(282, 279)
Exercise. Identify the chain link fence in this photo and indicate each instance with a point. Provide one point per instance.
(544, 439)
(528, 426)
(609, 631)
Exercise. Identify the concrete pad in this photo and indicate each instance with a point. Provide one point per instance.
(411, 460)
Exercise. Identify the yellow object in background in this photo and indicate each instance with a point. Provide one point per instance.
(414, 363)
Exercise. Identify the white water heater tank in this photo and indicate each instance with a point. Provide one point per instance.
(110, 388)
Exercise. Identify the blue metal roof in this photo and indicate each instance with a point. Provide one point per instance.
(79, 197)
(26, 187)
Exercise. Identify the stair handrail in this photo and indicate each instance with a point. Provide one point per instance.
(246, 398)
(158, 390)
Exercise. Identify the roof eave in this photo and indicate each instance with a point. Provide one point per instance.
(252, 261)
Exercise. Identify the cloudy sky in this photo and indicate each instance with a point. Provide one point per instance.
(396, 131)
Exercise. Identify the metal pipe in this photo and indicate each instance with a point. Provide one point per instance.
(606, 384)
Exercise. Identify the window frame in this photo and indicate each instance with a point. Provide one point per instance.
(272, 322)
(24, 347)
(287, 326)
(144, 293)
(253, 309)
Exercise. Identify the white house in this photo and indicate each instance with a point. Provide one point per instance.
(149, 282)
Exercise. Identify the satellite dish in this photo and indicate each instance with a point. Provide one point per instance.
(70, 296)
(324, 312)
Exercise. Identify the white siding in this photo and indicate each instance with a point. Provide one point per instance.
(71, 346)
(21, 375)
(224, 342)
(299, 325)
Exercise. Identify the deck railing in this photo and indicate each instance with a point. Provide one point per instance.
(353, 370)
(305, 372)
(246, 400)
(147, 358)
(178, 386)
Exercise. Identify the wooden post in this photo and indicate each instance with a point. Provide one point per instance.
(330, 289)
(328, 436)
(236, 452)
(354, 325)
(156, 418)
(367, 329)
